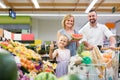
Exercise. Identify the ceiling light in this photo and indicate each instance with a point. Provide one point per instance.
(36, 4)
(2, 5)
(91, 6)
(62, 15)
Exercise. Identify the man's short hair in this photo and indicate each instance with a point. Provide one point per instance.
(92, 10)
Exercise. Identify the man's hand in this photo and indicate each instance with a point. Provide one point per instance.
(112, 47)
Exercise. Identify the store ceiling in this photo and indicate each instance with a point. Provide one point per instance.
(60, 6)
(64, 7)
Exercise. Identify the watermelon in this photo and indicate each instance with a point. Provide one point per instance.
(76, 36)
(45, 76)
(8, 67)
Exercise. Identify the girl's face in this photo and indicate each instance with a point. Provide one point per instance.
(69, 22)
(62, 42)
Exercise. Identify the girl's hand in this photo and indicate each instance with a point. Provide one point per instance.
(51, 46)
(51, 50)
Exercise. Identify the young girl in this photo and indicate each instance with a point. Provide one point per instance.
(62, 56)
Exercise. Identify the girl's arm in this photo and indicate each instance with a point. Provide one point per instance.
(52, 53)
(51, 50)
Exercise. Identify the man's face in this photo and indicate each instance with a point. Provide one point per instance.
(92, 16)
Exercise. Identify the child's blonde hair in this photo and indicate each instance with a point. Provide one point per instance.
(64, 37)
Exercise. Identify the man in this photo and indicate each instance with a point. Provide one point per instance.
(94, 33)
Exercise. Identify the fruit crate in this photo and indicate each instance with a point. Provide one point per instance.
(106, 71)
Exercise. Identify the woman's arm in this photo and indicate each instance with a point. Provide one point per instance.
(58, 35)
(77, 43)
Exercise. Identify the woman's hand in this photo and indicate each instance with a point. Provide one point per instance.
(75, 40)
(89, 48)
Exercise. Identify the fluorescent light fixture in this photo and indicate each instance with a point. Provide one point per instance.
(56, 15)
(91, 6)
(2, 5)
(36, 4)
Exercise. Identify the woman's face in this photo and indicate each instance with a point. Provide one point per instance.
(69, 22)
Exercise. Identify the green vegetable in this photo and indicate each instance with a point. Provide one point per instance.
(8, 67)
(80, 49)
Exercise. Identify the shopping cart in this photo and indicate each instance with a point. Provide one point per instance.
(104, 71)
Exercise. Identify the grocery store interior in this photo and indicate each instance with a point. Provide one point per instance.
(33, 24)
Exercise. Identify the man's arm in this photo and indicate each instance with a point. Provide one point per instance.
(112, 41)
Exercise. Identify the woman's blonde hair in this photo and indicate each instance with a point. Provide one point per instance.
(66, 18)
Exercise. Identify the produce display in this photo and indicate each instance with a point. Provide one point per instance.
(19, 49)
(31, 63)
(33, 67)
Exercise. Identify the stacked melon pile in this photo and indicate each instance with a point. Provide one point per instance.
(8, 67)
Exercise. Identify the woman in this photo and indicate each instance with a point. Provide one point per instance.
(68, 30)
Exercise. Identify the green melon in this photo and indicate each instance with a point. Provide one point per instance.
(70, 77)
(8, 67)
(45, 76)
